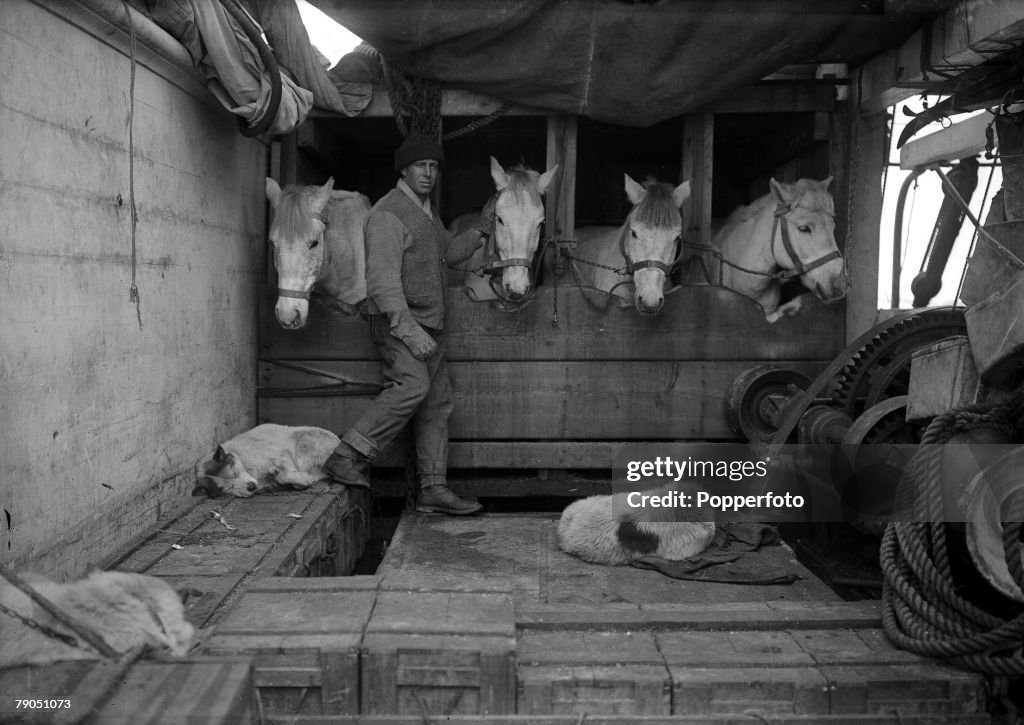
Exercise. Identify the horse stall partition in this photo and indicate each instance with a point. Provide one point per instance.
(533, 394)
(561, 382)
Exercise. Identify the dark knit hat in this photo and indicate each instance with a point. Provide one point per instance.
(416, 148)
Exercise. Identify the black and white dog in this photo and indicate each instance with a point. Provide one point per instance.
(606, 530)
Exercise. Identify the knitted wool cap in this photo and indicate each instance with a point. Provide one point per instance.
(416, 148)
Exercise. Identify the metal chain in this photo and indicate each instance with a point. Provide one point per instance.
(65, 638)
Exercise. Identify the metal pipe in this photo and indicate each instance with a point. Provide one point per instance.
(897, 238)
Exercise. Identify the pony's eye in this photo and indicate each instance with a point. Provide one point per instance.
(314, 244)
(804, 229)
(499, 220)
(633, 232)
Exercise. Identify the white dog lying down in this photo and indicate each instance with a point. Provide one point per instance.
(264, 458)
(127, 610)
(605, 530)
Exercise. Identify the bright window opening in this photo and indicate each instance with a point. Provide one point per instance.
(921, 209)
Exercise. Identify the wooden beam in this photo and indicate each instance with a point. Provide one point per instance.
(454, 102)
(965, 35)
(770, 97)
(963, 139)
(697, 164)
(777, 97)
(560, 199)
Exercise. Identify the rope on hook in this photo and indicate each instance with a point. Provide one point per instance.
(133, 289)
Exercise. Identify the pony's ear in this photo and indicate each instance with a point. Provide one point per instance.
(321, 196)
(545, 179)
(782, 192)
(826, 182)
(634, 191)
(273, 192)
(220, 455)
(681, 193)
(498, 174)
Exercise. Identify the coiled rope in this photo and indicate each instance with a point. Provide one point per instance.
(921, 609)
(420, 100)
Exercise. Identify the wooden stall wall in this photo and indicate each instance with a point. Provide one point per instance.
(106, 404)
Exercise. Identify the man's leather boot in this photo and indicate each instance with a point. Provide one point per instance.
(348, 466)
(439, 499)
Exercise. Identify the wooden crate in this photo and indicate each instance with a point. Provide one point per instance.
(304, 636)
(992, 267)
(943, 377)
(997, 335)
(597, 673)
(334, 541)
(288, 533)
(191, 691)
(816, 672)
(440, 646)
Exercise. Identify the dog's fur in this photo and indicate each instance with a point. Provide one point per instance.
(127, 610)
(265, 458)
(603, 530)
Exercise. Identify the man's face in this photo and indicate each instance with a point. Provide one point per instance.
(421, 175)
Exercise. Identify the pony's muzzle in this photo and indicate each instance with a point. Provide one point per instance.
(648, 309)
(291, 314)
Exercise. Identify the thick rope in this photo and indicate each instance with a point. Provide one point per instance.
(417, 98)
(133, 289)
(921, 609)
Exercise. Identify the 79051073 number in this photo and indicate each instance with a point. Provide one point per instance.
(42, 704)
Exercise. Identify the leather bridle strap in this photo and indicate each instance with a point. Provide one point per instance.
(497, 264)
(299, 294)
(799, 267)
(632, 266)
(293, 293)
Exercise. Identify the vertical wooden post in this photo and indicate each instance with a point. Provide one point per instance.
(697, 163)
(560, 199)
(864, 216)
(289, 170)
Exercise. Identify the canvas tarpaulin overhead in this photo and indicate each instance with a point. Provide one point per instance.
(631, 63)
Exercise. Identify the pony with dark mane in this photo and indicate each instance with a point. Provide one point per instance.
(317, 236)
(634, 261)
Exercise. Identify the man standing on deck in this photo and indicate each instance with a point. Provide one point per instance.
(406, 250)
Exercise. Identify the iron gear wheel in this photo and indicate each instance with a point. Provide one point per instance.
(881, 368)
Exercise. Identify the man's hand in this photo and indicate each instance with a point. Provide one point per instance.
(486, 224)
(419, 342)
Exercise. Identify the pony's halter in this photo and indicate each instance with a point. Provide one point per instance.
(300, 294)
(799, 267)
(632, 267)
(496, 265)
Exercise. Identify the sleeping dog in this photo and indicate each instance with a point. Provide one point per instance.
(125, 609)
(265, 458)
(605, 530)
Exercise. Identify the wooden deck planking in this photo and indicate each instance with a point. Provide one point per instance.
(522, 549)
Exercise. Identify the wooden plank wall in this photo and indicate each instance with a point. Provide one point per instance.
(530, 394)
(106, 406)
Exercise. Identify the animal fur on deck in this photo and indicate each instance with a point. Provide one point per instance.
(605, 530)
(126, 610)
(265, 458)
